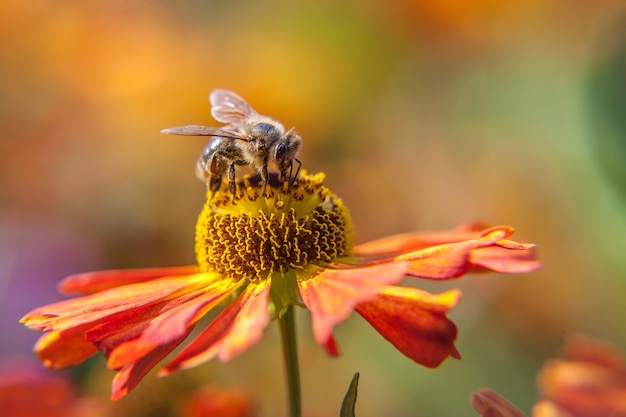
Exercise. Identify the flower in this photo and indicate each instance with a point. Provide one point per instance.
(589, 381)
(258, 253)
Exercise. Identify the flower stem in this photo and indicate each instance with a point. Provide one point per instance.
(290, 356)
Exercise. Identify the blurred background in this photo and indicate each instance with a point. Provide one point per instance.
(423, 113)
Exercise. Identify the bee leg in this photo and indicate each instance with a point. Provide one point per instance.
(265, 176)
(232, 184)
(214, 169)
(293, 179)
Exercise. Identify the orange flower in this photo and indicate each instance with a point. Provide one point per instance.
(260, 253)
(589, 381)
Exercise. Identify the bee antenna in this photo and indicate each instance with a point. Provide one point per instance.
(293, 179)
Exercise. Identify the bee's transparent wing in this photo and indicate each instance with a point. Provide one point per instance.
(193, 130)
(228, 107)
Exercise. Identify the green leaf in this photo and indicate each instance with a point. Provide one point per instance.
(349, 401)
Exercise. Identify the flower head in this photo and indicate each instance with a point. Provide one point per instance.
(258, 252)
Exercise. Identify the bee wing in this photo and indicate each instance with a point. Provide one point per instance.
(228, 107)
(193, 130)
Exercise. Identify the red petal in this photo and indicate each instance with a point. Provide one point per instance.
(331, 347)
(131, 374)
(415, 322)
(239, 327)
(64, 348)
(332, 294)
(92, 282)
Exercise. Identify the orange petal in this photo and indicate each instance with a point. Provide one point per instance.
(92, 282)
(490, 404)
(415, 322)
(506, 260)
(136, 346)
(91, 308)
(409, 242)
(455, 259)
(332, 294)
(59, 349)
(239, 327)
(143, 330)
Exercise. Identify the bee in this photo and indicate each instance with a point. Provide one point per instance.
(248, 138)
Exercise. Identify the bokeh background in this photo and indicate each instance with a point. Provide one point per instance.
(423, 113)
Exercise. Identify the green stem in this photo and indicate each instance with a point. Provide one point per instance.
(290, 356)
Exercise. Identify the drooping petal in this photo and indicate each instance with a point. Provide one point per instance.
(239, 327)
(332, 294)
(131, 374)
(331, 347)
(492, 250)
(59, 349)
(415, 322)
(92, 282)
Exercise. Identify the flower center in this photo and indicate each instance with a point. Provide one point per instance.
(254, 233)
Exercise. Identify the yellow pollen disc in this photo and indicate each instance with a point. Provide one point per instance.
(257, 232)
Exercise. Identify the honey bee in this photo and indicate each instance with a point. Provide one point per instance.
(249, 138)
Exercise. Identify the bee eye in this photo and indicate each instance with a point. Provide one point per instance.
(264, 129)
(281, 151)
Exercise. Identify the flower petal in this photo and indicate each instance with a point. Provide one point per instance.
(409, 242)
(490, 404)
(136, 325)
(490, 251)
(506, 260)
(92, 282)
(415, 322)
(239, 327)
(145, 330)
(59, 349)
(332, 294)
(130, 375)
(331, 347)
(135, 346)
(91, 308)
